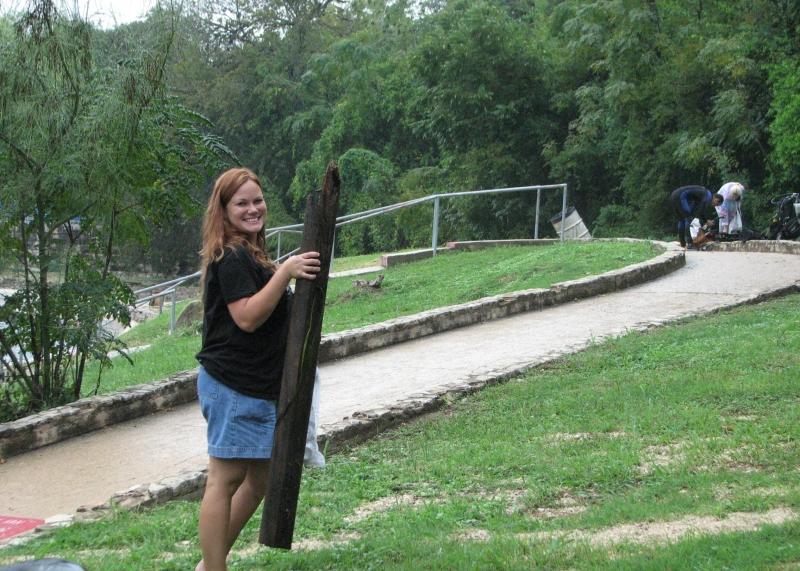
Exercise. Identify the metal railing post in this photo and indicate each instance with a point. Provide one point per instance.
(435, 237)
(279, 245)
(174, 299)
(563, 212)
(536, 224)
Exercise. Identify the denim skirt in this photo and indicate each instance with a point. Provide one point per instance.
(239, 426)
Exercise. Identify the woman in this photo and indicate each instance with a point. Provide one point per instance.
(245, 322)
(730, 211)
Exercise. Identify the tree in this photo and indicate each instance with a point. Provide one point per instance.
(671, 93)
(89, 154)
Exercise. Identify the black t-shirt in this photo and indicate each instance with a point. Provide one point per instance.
(250, 363)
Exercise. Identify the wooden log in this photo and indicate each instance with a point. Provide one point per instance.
(297, 384)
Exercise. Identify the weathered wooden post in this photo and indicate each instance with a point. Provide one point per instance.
(297, 385)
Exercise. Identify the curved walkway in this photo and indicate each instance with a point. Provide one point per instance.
(89, 469)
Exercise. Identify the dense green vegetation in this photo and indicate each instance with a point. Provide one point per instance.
(623, 100)
(109, 137)
(448, 279)
(92, 152)
(648, 430)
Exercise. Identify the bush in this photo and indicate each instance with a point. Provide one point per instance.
(615, 221)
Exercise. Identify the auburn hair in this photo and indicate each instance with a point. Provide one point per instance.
(218, 232)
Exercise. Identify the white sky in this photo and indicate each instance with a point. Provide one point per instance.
(107, 13)
(104, 13)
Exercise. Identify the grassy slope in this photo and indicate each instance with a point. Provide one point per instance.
(699, 418)
(407, 289)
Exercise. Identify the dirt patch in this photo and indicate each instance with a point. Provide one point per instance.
(662, 456)
(652, 533)
(477, 535)
(740, 459)
(124, 552)
(563, 505)
(383, 505)
(723, 493)
(579, 436)
(551, 513)
(315, 544)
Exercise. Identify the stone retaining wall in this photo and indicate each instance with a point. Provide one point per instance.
(92, 413)
(95, 412)
(764, 246)
(354, 341)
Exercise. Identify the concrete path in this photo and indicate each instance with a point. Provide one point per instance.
(89, 469)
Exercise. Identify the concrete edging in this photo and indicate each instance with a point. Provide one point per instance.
(763, 246)
(393, 331)
(92, 413)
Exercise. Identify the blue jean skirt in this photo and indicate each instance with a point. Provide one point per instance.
(239, 426)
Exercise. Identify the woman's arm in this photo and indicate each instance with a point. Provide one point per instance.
(250, 313)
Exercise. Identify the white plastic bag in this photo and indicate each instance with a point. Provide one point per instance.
(313, 457)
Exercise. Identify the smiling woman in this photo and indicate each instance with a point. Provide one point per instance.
(246, 303)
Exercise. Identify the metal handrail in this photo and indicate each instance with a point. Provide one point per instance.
(366, 214)
(346, 219)
(172, 291)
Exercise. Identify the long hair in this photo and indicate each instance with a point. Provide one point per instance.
(219, 233)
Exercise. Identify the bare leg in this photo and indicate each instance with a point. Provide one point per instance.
(224, 478)
(247, 498)
(229, 522)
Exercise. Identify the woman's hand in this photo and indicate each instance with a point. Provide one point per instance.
(249, 313)
(305, 265)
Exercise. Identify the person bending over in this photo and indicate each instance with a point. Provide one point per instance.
(730, 211)
(690, 202)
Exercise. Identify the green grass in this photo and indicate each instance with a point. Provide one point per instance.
(451, 278)
(347, 263)
(459, 277)
(147, 331)
(695, 419)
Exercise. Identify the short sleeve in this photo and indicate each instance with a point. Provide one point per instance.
(236, 276)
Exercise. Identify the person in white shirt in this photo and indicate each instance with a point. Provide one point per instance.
(730, 211)
(700, 234)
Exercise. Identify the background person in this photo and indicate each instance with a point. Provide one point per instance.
(730, 211)
(701, 233)
(245, 323)
(690, 202)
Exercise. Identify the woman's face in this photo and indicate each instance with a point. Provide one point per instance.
(247, 210)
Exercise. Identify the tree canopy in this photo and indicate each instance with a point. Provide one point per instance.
(623, 100)
(93, 151)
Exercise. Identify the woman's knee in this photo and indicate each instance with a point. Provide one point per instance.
(225, 475)
(256, 478)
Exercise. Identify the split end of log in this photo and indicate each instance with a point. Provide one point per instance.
(332, 179)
